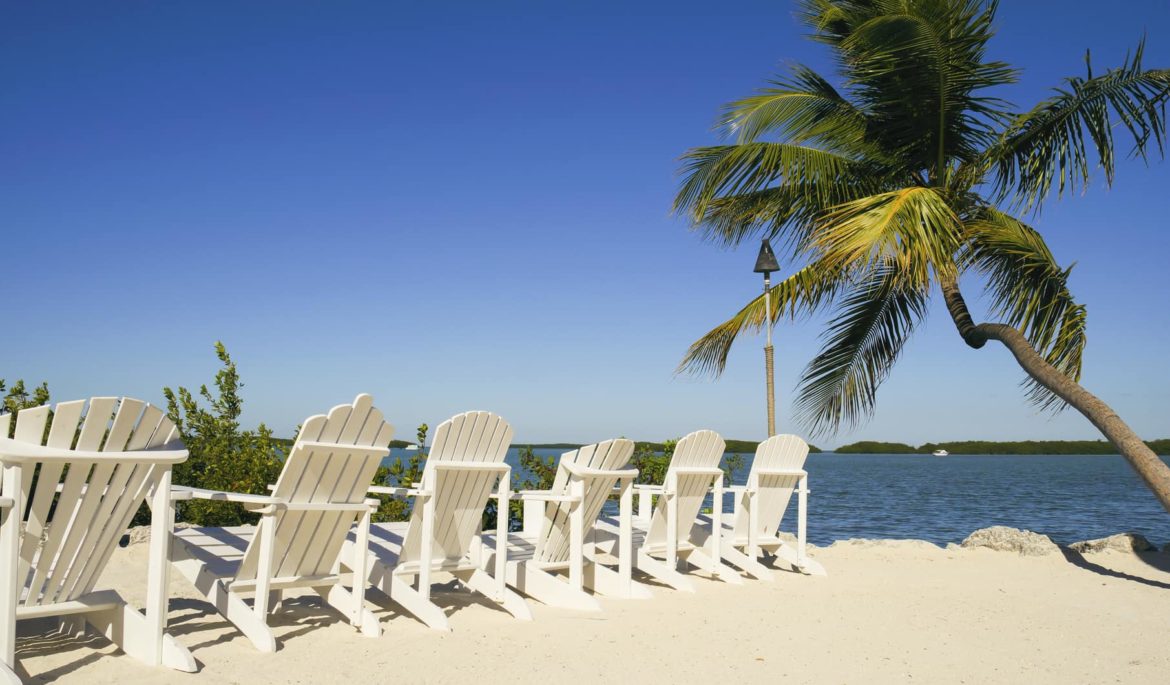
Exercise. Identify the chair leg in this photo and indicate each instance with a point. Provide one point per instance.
(806, 565)
(229, 604)
(605, 581)
(725, 573)
(130, 630)
(733, 555)
(663, 572)
(479, 581)
(343, 600)
(547, 588)
(400, 589)
(8, 675)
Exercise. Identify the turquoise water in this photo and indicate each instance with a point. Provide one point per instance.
(943, 499)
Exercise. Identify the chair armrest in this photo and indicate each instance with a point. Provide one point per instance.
(7, 502)
(16, 451)
(399, 492)
(780, 472)
(498, 466)
(697, 470)
(183, 492)
(543, 496)
(578, 470)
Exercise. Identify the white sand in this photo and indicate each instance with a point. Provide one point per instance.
(887, 613)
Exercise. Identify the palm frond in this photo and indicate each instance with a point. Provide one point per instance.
(1062, 138)
(913, 229)
(862, 343)
(1029, 292)
(801, 293)
(812, 179)
(801, 108)
(918, 71)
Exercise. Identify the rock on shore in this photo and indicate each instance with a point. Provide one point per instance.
(1007, 539)
(1122, 542)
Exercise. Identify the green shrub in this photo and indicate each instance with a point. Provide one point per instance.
(401, 475)
(536, 473)
(223, 457)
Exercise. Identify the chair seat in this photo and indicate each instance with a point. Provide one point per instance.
(220, 549)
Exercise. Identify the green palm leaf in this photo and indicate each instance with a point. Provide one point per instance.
(801, 293)
(862, 343)
(801, 108)
(1062, 138)
(1029, 292)
(711, 172)
(913, 230)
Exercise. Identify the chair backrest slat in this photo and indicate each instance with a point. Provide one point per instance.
(75, 510)
(553, 546)
(308, 543)
(460, 496)
(701, 449)
(774, 491)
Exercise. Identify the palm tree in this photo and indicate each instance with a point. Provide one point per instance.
(908, 175)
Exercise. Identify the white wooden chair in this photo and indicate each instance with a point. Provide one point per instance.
(465, 462)
(663, 536)
(72, 480)
(777, 471)
(320, 494)
(556, 522)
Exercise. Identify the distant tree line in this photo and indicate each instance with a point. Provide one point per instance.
(1161, 446)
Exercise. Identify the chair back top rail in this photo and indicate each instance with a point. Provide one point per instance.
(333, 461)
(459, 495)
(773, 490)
(553, 545)
(698, 454)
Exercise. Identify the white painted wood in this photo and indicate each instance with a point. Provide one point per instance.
(464, 469)
(552, 561)
(301, 539)
(94, 464)
(751, 529)
(663, 539)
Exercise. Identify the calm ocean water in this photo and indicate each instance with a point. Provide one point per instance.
(943, 499)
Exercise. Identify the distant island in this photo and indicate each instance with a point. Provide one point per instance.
(1161, 446)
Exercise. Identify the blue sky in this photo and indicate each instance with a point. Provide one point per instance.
(466, 206)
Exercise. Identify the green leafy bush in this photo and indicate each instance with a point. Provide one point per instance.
(401, 475)
(537, 473)
(223, 457)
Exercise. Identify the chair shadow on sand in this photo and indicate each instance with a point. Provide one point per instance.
(44, 637)
(1157, 560)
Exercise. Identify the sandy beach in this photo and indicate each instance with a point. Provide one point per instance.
(888, 612)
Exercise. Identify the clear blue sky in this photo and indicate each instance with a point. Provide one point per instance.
(466, 206)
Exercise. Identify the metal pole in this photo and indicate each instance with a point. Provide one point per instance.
(768, 356)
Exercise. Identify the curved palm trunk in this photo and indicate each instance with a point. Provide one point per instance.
(1143, 460)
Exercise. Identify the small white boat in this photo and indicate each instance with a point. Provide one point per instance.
(411, 448)
(940, 453)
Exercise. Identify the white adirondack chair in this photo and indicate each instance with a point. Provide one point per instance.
(556, 522)
(70, 488)
(320, 494)
(777, 472)
(465, 461)
(666, 531)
